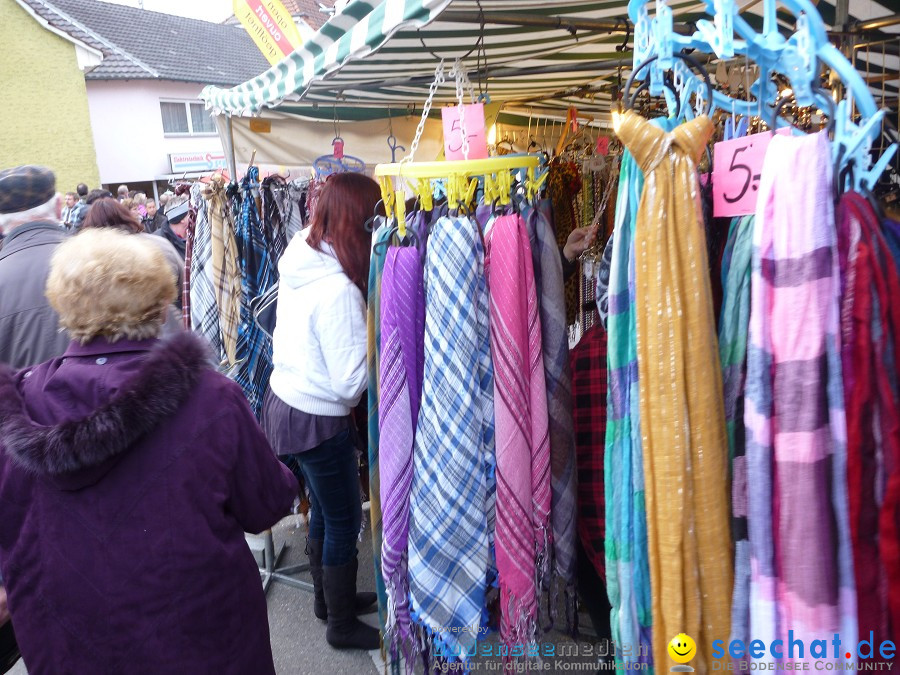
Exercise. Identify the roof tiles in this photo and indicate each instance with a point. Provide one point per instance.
(140, 44)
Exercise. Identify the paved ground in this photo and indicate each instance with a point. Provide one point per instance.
(298, 638)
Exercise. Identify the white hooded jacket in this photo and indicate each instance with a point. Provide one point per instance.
(320, 336)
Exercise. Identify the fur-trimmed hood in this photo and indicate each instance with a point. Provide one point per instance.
(94, 443)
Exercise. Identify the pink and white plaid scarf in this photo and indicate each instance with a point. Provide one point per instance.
(522, 437)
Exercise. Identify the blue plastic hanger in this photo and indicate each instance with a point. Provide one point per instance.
(797, 57)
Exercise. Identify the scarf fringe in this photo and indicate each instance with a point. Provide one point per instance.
(519, 633)
(544, 581)
(572, 609)
(400, 639)
(436, 650)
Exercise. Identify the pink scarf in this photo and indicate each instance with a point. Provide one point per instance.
(522, 440)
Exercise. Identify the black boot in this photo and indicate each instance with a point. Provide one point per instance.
(366, 602)
(9, 650)
(344, 630)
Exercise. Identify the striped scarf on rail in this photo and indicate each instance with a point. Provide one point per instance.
(204, 310)
(548, 276)
(402, 363)
(794, 405)
(627, 569)
(226, 271)
(258, 274)
(871, 326)
(452, 497)
(376, 267)
(733, 327)
(523, 531)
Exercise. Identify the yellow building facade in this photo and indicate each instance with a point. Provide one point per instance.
(44, 116)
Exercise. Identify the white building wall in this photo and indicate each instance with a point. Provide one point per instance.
(128, 130)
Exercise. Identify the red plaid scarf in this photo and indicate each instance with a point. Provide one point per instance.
(589, 382)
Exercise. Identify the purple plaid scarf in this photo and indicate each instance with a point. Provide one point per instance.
(402, 363)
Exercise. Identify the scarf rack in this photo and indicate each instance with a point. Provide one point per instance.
(462, 180)
(798, 57)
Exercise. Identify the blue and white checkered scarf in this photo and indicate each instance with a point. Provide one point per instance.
(453, 491)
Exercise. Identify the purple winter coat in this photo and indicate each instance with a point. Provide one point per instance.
(129, 473)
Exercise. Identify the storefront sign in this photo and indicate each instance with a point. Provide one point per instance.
(196, 161)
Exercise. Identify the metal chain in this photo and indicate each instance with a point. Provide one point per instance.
(439, 79)
(459, 76)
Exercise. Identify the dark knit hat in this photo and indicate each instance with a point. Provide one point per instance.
(25, 187)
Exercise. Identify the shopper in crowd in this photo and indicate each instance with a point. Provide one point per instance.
(78, 218)
(319, 375)
(129, 204)
(154, 219)
(178, 218)
(132, 469)
(29, 220)
(94, 195)
(67, 217)
(122, 192)
(108, 213)
(140, 199)
(29, 327)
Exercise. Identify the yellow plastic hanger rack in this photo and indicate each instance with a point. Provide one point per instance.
(461, 181)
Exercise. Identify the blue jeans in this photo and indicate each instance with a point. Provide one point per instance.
(331, 472)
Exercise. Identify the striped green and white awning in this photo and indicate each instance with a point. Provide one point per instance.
(382, 53)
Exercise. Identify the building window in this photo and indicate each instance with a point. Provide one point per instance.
(186, 118)
(201, 120)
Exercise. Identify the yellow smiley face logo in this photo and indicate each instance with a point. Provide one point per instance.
(682, 648)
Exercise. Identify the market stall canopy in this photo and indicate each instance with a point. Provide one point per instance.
(536, 53)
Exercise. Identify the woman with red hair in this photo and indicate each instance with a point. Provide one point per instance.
(319, 375)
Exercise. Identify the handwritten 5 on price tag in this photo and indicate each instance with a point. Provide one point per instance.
(474, 119)
(737, 166)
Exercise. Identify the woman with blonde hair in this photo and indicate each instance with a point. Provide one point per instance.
(129, 471)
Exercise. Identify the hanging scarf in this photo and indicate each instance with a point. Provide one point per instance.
(891, 232)
(226, 272)
(682, 414)
(201, 312)
(184, 293)
(627, 568)
(564, 184)
(258, 274)
(548, 276)
(793, 406)
(376, 267)
(452, 497)
(273, 228)
(733, 328)
(523, 444)
(873, 423)
(589, 390)
(402, 363)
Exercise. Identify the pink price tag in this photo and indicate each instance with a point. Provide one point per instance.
(603, 145)
(737, 166)
(474, 122)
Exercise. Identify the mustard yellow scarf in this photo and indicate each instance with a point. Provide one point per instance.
(685, 448)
